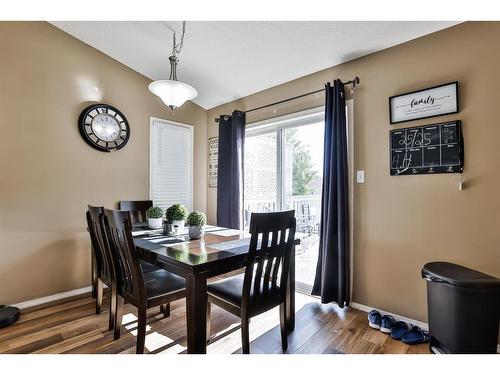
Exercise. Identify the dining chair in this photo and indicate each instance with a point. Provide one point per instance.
(103, 262)
(137, 212)
(104, 268)
(263, 285)
(136, 209)
(143, 290)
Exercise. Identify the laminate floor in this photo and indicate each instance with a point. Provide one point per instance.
(73, 327)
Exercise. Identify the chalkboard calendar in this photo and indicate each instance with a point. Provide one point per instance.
(436, 148)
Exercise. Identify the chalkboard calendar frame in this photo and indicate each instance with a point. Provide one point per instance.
(427, 149)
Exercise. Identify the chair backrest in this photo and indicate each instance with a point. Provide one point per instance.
(269, 255)
(137, 209)
(99, 244)
(129, 276)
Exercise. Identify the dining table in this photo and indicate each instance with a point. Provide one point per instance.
(220, 251)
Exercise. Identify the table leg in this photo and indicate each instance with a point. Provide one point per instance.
(196, 307)
(290, 295)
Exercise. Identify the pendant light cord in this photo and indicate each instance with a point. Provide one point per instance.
(176, 48)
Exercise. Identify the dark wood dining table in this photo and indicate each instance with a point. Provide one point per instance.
(221, 250)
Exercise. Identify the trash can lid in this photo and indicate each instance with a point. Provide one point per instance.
(457, 275)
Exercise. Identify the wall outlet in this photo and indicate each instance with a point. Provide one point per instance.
(360, 177)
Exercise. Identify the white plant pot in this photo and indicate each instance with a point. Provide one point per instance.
(179, 224)
(155, 223)
(196, 233)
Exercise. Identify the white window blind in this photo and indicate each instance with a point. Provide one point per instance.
(170, 163)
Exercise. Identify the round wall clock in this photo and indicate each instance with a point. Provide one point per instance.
(104, 127)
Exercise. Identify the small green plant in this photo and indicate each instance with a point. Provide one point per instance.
(154, 213)
(176, 212)
(196, 219)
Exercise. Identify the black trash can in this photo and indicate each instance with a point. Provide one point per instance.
(463, 309)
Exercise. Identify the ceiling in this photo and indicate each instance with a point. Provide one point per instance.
(225, 61)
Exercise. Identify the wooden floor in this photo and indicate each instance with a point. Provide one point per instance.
(73, 327)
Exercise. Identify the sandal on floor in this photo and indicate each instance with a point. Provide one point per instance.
(415, 336)
(399, 329)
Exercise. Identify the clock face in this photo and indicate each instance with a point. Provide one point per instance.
(104, 127)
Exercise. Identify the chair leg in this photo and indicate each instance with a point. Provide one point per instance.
(284, 333)
(209, 310)
(93, 274)
(99, 292)
(245, 338)
(112, 306)
(141, 330)
(165, 310)
(118, 317)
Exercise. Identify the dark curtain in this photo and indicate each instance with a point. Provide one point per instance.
(230, 171)
(333, 269)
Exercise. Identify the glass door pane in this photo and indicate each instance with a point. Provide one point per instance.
(302, 183)
(261, 174)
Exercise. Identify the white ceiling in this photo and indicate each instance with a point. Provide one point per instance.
(225, 61)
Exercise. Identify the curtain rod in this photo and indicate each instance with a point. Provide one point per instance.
(353, 82)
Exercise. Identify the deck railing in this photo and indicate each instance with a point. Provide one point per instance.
(304, 205)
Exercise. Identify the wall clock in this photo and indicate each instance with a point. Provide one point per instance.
(104, 127)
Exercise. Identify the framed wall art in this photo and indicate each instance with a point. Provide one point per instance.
(213, 155)
(431, 102)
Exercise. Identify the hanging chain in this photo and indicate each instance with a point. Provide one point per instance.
(176, 48)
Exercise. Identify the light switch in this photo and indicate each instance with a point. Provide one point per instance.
(360, 177)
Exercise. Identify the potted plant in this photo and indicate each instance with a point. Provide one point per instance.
(177, 215)
(196, 222)
(154, 215)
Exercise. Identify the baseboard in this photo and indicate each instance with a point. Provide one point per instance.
(52, 298)
(365, 308)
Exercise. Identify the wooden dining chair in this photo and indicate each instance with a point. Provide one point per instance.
(103, 266)
(137, 210)
(263, 285)
(143, 290)
(104, 271)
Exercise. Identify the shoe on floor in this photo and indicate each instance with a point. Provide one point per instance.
(415, 336)
(386, 323)
(399, 329)
(374, 319)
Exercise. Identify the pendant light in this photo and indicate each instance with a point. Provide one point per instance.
(172, 92)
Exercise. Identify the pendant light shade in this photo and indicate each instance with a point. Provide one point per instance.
(171, 91)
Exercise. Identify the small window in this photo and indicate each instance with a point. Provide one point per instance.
(170, 163)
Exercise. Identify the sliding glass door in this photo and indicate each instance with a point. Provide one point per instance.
(303, 178)
(283, 171)
(261, 174)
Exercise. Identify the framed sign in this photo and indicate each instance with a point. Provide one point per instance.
(434, 101)
(213, 155)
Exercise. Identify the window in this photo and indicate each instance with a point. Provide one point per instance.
(170, 163)
(283, 160)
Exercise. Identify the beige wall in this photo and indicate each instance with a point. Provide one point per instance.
(403, 222)
(48, 174)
